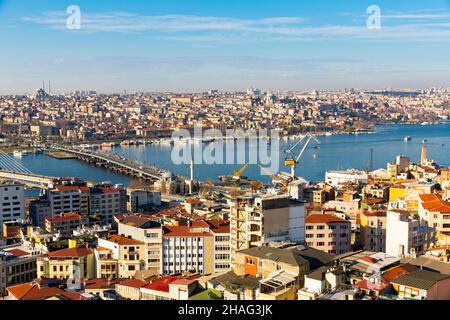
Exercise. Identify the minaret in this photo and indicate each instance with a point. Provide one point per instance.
(423, 157)
(49, 88)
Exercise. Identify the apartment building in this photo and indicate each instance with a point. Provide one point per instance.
(105, 202)
(17, 265)
(120, 254)
(12, 203)
(337, 177)
(65, 225)
(39, 210)
(348, 206)
(67, 263)
(259, 219)
(65, 199)
(328, 233)
(220, 229)
(406, 235)
(149, 232)
(188, 248)
(373, 230)
(139, 200)
(435, 210)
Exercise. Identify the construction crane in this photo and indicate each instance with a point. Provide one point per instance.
(292, 160)
(275, 178)
(237, 175)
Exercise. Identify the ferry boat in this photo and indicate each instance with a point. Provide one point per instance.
(108, 145)
(407, 138)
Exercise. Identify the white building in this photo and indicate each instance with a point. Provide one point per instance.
(405, 235)
(12, 205)
(296, 221)
(188, 248)
(335, 178)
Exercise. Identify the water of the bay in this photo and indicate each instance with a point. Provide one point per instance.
(334, 152)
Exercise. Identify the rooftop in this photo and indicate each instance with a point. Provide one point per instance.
(420, 279)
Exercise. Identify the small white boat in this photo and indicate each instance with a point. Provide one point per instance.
(407, 138)
(18, 154)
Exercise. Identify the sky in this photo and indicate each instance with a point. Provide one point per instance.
(198, 45)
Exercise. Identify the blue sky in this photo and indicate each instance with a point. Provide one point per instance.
(196, 45)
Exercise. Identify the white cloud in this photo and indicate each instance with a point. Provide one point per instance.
(222, 29)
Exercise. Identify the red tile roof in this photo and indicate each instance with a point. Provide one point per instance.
(133, 283)
(433, 203)
(374, 213)
(324, 218)
(18, 252)
(71, 188)
(395, 272)
(121, 240)
(183, 231)
(66, 217)
(70, 253)
(368, 285)
(161, 284)
(36, 291)
(219, 226)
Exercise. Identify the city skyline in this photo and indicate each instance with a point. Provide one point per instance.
(180, 47)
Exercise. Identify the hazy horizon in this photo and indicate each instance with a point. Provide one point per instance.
(195, 46)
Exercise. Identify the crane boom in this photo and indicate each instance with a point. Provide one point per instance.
(296, 144)
(303, 149)
(237, 174)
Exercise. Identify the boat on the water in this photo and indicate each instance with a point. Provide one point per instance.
(19, 154)
(407, 138)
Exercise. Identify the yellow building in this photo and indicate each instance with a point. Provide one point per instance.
(373, 230)
(396, 193)
(119, 257)
(67, 264)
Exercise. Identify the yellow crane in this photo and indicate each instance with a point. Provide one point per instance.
(237, 174)
(274, 177)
